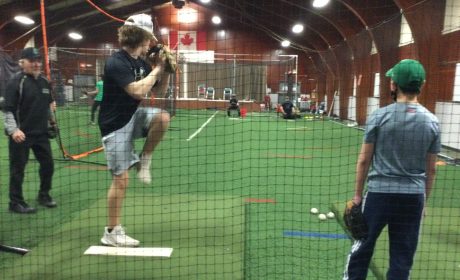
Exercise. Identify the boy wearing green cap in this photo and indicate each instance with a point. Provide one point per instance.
(398, 159)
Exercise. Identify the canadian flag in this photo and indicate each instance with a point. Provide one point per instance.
(187, 40)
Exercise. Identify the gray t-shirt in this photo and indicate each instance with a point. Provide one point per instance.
(403, 134)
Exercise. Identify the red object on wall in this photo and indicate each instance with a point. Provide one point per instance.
(188, 40)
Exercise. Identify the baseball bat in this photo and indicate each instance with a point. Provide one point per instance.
(14, 250)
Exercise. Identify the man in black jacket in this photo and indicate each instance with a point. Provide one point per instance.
(28, 95)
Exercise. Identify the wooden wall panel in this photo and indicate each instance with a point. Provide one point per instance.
(426, 21)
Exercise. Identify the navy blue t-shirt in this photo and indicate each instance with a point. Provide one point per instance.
(117, 106)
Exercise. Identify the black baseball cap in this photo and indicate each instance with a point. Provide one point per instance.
(31, 54)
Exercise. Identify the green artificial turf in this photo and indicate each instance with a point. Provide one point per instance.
(238, 184)
(205, 232)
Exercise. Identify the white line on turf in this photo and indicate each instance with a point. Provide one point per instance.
(298, 128)
(124, 251)
(201, 127)
(187, 115)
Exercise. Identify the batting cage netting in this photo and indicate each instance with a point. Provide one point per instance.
(257, 141)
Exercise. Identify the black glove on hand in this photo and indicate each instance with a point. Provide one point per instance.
(52, 130)
(354, 221)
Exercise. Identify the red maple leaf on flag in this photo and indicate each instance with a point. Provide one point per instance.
(186, 40)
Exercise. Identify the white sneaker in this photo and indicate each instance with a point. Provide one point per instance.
(118, 238)
(143, 171)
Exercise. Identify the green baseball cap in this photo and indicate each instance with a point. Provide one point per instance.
(408, 74)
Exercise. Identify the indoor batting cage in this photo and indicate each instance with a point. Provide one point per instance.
(225, 139)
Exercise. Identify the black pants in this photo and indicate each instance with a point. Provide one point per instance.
(19, 156)
(96, 104)
(291, 116)
(402, 214)
(235, 108)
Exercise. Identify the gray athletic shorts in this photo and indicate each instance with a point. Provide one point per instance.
(119, 145)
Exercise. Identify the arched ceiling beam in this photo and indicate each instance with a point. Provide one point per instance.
(326, 41)
(237, 9)
(371, 13)
(303, 7)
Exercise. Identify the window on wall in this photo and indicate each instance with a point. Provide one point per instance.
(377, 85)
(354, 85)
(405, 37)
(452, 16)
(456, 96)
(374, 49)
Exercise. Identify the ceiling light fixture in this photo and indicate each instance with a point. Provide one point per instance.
(164, 31)
(216, 20)
(285, 43)
(297, 28)
(75, 36)
(320, 3)
(24, 20)
(205, 1)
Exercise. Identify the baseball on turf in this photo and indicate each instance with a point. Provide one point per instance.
(322, 217)
(330, 215)
(314, 210)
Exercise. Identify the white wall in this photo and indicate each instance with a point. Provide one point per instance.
(448, 114)
(352, 108)
(373, 103)
(336, 105)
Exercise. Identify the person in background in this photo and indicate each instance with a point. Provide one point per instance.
(98, 94)
(234, 105)
(322, 108)
(27, 96)
(267, 102)
(130, 76)
(288, 109)
(398, 159)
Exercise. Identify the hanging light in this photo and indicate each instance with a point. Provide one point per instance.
(285, 43)
(24, 20)
(297, 28)
(216, 20)
(164, 31)
(75, 36)
(320, 3)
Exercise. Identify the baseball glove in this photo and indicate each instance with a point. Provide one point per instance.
(170, 60)
(354, 221)
(164, 53)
